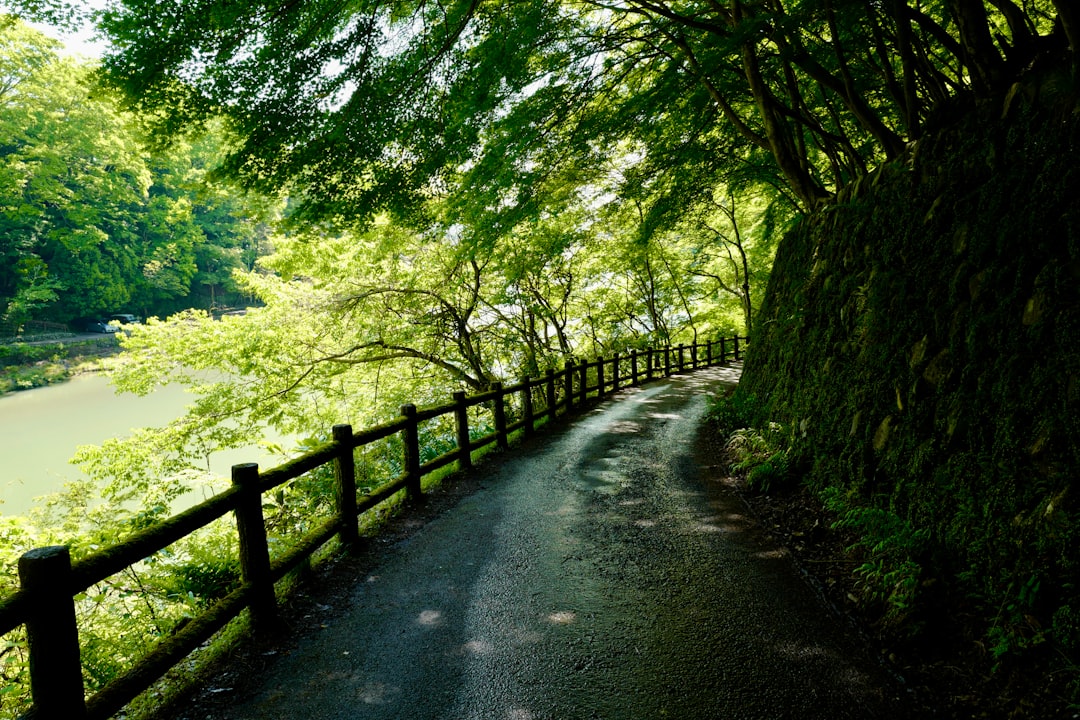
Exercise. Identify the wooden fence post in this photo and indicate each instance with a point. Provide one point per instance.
(254, 550)
(708, 353)
(723, 350)
(599, 377)
(461, 420)
(345, 487)
(682, 347)
(615, 373)
(736, 341)
(667, 361)
(500, 416)
(52, 633)
(633, 367)
(549, 388)
(693, 356)
(568, 381)
(527, 406)
(411, 438)
(583, 370)
(648, 363)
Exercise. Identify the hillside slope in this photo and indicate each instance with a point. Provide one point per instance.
(920, 347)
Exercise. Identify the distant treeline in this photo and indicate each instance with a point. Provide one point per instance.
(92, 222)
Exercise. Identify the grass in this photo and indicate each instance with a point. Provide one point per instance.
(24, 366)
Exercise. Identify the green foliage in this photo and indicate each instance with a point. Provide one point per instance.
(1016, 629)
(58, 13)
(300, 504)
(733, 411)
(775, 472)
(24, 366)
(23, 354)
(889, 551)
(922, 336)
(761, 450)
(201, 568)
(90, 223)
(764, 456)
(501, 106)
(22, 378)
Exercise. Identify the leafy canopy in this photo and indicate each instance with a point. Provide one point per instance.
(367, 105)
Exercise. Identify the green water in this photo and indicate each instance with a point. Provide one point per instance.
(41, 428)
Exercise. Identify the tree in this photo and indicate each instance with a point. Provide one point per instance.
(378, 105)
(74, 178)
(726, 254)
(63, 14)
(90, 221)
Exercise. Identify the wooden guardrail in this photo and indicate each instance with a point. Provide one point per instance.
(49, 580)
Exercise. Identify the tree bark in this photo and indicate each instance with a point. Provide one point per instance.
(778, 134)
(979, 53)
(1069, 15)
(909, 101)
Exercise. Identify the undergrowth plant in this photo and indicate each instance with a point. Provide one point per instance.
(888, 549)
(763, 456)
(732, 411)
(760, 450)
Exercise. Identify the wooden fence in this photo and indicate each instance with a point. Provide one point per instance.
(49, 580)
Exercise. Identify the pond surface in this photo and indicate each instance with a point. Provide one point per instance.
(41, 428)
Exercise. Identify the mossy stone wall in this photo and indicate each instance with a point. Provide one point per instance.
(920, 340)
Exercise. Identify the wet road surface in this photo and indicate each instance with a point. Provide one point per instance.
(599, 574)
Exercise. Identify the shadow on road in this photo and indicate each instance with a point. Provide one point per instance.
(604, 570)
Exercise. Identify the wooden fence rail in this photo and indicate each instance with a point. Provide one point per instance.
(49, 580)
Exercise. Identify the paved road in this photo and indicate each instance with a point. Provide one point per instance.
(598, 575)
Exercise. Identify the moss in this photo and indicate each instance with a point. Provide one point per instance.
(940, 359)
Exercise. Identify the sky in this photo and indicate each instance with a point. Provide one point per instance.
(81, 43)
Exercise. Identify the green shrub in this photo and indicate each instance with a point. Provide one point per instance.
(776, 472)
(889, 549)
(763, 454)
(23, 354)
(733, 411)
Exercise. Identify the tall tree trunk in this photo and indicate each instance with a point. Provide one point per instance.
(980, 54)
(781, 143)
(909, 101)
(747, 306)
(1069, 15)
(779, 136)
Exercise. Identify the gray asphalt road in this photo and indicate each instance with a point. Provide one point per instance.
(600, 574)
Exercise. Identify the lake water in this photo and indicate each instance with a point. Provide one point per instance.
(41, 428)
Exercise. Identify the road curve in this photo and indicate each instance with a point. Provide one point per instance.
(598, 574)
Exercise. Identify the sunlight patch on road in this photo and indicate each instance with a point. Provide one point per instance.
(430, 618)
(478, 647)
(709, 528)
(727, 522)
(377, 693)
(665, 416)
(567, 509)
(604, 481)
(562, 617)
(803, 652)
